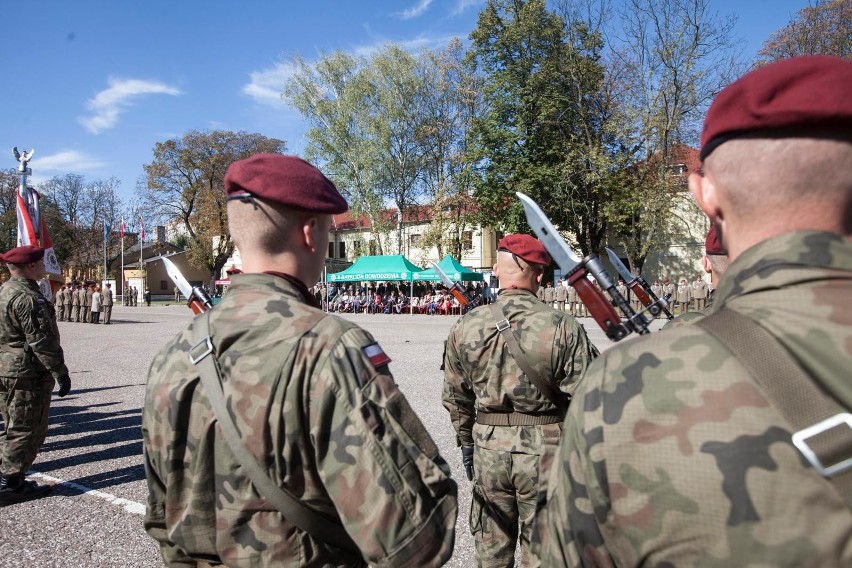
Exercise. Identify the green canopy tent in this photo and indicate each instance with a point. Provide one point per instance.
(392, 267)
(451, 268)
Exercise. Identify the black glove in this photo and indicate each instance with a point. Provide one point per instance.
(64, 385)
(467, 461)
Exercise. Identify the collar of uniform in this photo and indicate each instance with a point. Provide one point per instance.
(514, 292)
(779, 262)
(286, 286)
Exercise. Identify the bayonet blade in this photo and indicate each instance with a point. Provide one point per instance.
(181, 283)
(549, 236)
(619, 266)
(444, 278)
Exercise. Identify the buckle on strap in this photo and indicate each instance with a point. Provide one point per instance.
(800, 439)
(208, 349)
(503, 325)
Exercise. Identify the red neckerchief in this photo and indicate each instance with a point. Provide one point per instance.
(300, 286)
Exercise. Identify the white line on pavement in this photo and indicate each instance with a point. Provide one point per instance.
(129, 506)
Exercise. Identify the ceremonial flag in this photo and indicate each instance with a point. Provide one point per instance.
(121, 230)
(51, 263)
(35, 233)
(141, 230)
(106, 230)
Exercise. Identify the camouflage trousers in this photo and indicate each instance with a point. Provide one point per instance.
(504, 497)
(24, 406)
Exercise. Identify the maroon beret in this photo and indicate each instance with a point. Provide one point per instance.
(525, 246)
(791, 95)
(23, 254)
(287, 180)
(712, 245)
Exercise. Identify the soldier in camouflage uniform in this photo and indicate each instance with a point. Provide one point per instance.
(673, 454)
(505, 425)
(313, 397)
(30, 360)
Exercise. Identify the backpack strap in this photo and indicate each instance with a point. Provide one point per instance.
(823, 427)
(505, 329)
(307, 519)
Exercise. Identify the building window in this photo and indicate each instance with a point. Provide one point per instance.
(467, 240)
(330, 250)
(163, 285)
(342, 250)
(372, 248)
(414, 240)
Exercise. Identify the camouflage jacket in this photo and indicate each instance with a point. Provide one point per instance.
(29, 336)
(314, 400)
(482, 376)
(673, 456)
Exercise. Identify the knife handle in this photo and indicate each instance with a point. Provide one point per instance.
(637, 289)
(598, 305)
(196, 306)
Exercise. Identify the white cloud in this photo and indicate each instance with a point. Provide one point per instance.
(414, 11)
(463, 5)
(108, 104)
(65, 161)
(265, 86)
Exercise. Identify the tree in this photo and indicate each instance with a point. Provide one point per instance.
(77, 227)
(331, 95)
(542, 131)
(674, 56)
(185, 183)
(825, 28)
(451, 104)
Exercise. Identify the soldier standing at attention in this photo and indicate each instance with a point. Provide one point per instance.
(699, 293)
(312, 396)
(67, 300)
(549, 295)
(75, 304)
(683, 295)
(506, 425)
(678, 449)
(31, 359)
(107, 302)
(561, 294)
(86, 298)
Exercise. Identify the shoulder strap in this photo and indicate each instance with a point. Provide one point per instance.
(824, 428)
(309, 520)
(505, 329)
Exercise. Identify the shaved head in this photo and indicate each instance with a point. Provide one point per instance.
(760, 173)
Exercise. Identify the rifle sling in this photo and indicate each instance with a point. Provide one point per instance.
(307, 519)
(505, 329)
(824, 428)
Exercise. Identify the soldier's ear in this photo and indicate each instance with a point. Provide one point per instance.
(706, 194)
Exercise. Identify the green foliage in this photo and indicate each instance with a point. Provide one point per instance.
(185, 183)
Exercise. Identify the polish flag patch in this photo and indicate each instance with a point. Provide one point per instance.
(376, 355)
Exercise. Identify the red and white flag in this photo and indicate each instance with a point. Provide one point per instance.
(35, 233)
(121, 230)
(141, 230)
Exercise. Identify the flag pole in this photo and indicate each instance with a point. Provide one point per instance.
(105, 244)
(123, 283)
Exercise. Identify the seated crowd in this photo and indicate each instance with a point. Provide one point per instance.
(391, 298)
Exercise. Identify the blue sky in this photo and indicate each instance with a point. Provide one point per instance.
(92, 85)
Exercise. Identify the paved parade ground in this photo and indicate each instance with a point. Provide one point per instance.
(93, 450)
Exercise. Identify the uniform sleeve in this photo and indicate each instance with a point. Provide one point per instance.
(36, 321)
(567, 530)
(459, 398)
(574, 352)
(390, 486)
(155, 513)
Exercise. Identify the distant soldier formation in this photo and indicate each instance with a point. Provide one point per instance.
(84, 303)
